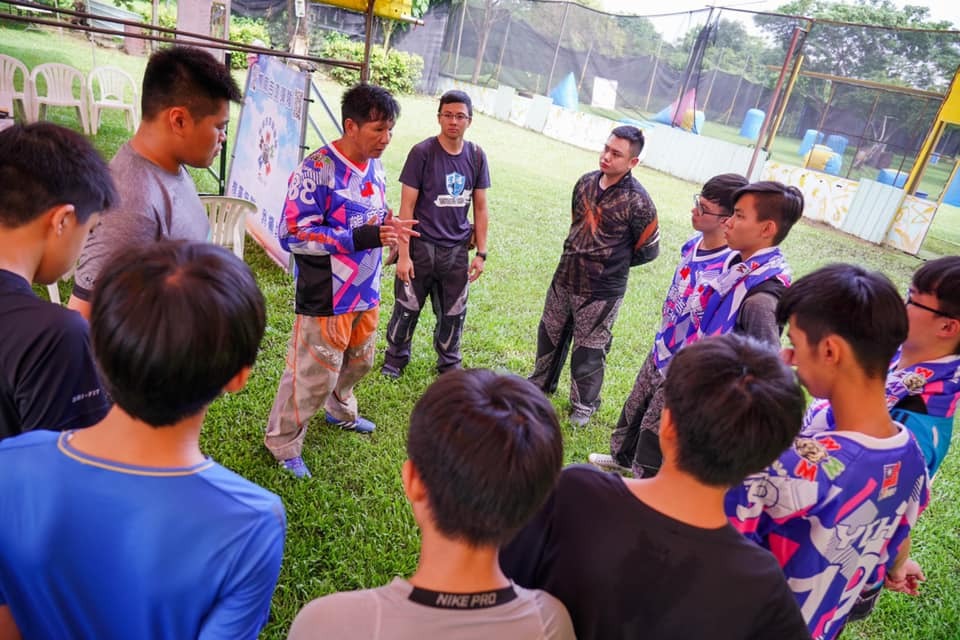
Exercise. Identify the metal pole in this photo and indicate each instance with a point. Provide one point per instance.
(773, 100)
(368, 25)
(556, 52)
(456, 58)
(783, 103)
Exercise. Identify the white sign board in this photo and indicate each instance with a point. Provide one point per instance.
(268, 148)
(604, 93)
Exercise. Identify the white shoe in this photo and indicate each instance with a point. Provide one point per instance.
(606, 462)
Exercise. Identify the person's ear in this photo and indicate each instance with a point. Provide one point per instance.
(668, 433)
(634, 161)
(60, 218)
(412, 484)
(350, 127)
(950, 329)
(238, 382)
(178, 118)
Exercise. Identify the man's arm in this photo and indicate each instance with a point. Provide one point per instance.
(646, 229)
(8, 627)
(905, 575)
(480, 222)
(117, 229)
(758, 318)
(244, 604)
(408, 201)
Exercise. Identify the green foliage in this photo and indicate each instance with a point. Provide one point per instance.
(397, 71)
(246, 31)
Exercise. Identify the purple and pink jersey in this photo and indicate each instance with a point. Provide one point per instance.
(331, 221)
(834, 510)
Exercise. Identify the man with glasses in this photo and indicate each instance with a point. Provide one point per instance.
(706, 251)
(923, 383)
(441, 177)
(614, 227)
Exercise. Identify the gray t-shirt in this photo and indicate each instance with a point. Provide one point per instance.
(388, 613)
(154, 204)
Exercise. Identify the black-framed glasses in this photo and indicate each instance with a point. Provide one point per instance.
(704, 212)
(459, 117)
(916, 304)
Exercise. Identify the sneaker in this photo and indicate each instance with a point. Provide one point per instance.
(580, 418)
(297, 467)
(390, 371)
(360, 425)
(606, 462)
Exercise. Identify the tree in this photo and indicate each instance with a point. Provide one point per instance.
(419, 9)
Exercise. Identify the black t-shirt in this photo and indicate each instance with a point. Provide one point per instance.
(625, 570)
(47, 376)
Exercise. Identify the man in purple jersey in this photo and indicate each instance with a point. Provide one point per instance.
(441, 177)
(836, 508)
(335, 221)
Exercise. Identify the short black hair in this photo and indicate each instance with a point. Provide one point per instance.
(181, 76)
(862, 307)
(488, 448)
(632, 135)
(365, 103)
(43, 165)
(171, 323)
(941, 278)
(720, 189)
(736, 406)
(775, 201)
(455, 96)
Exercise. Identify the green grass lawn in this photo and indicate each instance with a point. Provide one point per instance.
(349, 526)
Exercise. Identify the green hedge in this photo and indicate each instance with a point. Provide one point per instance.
(396, 71)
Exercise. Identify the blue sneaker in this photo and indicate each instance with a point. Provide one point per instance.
(297, 467)
(360, 425)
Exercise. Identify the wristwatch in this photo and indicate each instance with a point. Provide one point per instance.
(482, 254)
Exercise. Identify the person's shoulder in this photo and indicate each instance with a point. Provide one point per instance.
(37, 440)
(44, 320)
(585, 479)
(344, 615)
(553, 614)
(242, 492)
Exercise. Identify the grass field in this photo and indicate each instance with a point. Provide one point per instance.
(349, 527)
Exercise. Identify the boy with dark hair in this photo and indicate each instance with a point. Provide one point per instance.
(657, 557)
(484, 451)
(741, 297)
(706, 251)
(441, 177)
(53, 186)
(923, 380)
(614, 227)
(139, 534)
(335, 221)
(185, 105)
(836, 508)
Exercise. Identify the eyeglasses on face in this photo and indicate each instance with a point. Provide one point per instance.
(699, 207)
(911, 301)
(459, 117)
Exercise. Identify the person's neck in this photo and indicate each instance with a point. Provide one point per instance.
(911, 355)
(119, 437)
(860, 404)
(712, 240)
(453, 146)
(746, 254)
(607, 180)
(20, 254)
(148, 141)
(452, 566)
(350, 152)
(682, 497)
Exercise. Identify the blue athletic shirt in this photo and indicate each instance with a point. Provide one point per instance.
(331, 224)
(90, 548)
(833, 509)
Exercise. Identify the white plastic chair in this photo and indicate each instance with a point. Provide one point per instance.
(54, 292)
(228, 217)
(61, 84)
(9, 67)
(109, 88)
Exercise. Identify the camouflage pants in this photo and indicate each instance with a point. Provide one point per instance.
(635, 441)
